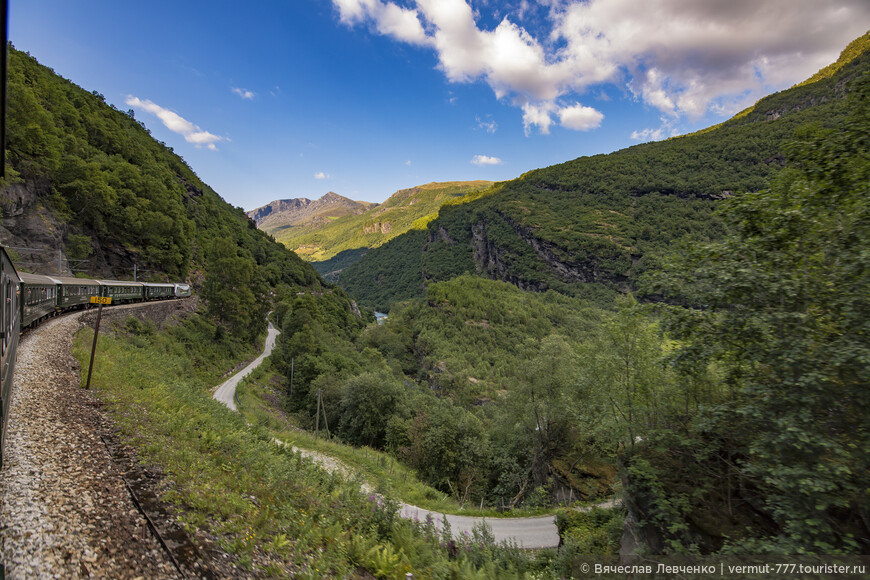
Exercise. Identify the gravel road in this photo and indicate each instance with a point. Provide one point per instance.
(65, 511)
(226, 392)
(535, 532)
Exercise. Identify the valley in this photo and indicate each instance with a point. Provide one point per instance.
(661, 350)
(334, 238)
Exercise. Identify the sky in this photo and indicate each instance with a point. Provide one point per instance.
(280, 99)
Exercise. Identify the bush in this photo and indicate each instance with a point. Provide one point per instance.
(594, 532)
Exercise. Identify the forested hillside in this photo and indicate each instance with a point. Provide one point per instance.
(733, 413)
(112, 193)
(593, 226)
(89, 181)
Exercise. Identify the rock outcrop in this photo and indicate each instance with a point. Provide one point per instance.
(302, 211)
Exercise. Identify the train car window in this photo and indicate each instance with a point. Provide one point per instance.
(7, 314)
(4, 316)
(10, 308)
(13, 310)
(7, 319)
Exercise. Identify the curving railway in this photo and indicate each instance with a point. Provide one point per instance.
(30, 299)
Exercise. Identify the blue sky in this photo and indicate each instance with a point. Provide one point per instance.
(279, 99)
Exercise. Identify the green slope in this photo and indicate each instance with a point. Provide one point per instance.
(112, 194)
(594, 225)
(405, 210)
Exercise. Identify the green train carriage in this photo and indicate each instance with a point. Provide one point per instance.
(75, 292)
(158, 291)
(122, 292)
(38, 298)
(10, 326)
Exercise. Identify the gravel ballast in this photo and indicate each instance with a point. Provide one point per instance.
(65, 511)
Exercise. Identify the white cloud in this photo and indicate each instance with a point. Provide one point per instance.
(666, 129)
(177, 124)
(408, 163)
(539, 116)
(322, 175)
(648, 134)
(485, 160)
(580, 118)
(488, 125)
(389, 19)
(685, 57)
(682, 57)
(244, 93)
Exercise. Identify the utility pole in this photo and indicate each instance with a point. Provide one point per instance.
(59, 262)
(323, 408)
(320, 409)
(134, 271)
(317, 422)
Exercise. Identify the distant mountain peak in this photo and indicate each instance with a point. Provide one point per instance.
(332, 197)
(406, 209)
(283, 213)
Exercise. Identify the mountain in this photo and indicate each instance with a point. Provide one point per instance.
(304, 213)
(593, 226)
(335, 242)
(87, 182)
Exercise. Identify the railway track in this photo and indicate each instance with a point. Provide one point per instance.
(74, 502)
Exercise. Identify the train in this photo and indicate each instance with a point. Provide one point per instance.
(29, 299)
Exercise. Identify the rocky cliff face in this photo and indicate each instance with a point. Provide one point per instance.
(301, 211)
(278, 206)
(37, 239)
(498, 261)
(378, 228)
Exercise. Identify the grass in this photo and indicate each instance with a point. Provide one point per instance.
(380, 470)
(267, 505)
(276, 512)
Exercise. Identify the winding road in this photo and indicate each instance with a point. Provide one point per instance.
(226, 392)
(534, 532)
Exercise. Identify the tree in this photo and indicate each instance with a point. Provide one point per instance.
(623, 371)
(228, 290)
(368, 402)
(536, 417)
(446, 444)
(786, 313)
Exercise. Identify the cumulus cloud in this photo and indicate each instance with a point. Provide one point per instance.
(538, 116)
(684, 58)
(322, 175)
(485, 160)
(177, 124)
(580, 118)
(388, 18)
(244, 93)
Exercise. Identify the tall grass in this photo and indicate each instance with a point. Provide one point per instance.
(278, 513)
(379, 469)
